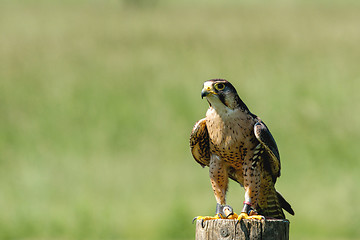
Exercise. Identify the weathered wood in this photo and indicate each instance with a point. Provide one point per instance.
(227, 229)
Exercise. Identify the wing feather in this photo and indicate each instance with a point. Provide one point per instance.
(199, 143)
(264, 136)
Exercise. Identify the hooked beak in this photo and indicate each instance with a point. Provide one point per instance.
(204, 93)
(207, 90)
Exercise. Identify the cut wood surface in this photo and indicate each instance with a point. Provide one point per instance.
(269, 229)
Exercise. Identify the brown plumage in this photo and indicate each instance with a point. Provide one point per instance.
(236, 144)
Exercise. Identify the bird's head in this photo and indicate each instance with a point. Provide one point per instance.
(221, 94)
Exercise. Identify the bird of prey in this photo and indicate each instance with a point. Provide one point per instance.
(235, 143)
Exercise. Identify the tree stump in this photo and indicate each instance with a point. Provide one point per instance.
(250, 229)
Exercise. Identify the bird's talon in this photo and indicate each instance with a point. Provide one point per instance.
(203, 219)
(244, 215)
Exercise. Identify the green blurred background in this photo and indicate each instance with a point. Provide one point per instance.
(98, 98)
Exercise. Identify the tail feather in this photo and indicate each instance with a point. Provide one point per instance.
(275, 205)
(284, 204)
(272, 208)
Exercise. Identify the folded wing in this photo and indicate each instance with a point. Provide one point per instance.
(199, 143)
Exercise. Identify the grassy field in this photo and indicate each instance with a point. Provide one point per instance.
(97, 102)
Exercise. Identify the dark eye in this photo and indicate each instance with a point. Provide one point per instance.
(220, 86)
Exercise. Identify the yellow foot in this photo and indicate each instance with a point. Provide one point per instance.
(217, 216)
(233, 216)
(203, 219)
(246, 216)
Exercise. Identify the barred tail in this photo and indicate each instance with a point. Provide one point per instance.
(273, 208)
(275, 205)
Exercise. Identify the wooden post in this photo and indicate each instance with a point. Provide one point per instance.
(227, 229)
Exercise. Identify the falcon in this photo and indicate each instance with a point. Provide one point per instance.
(235, 143)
